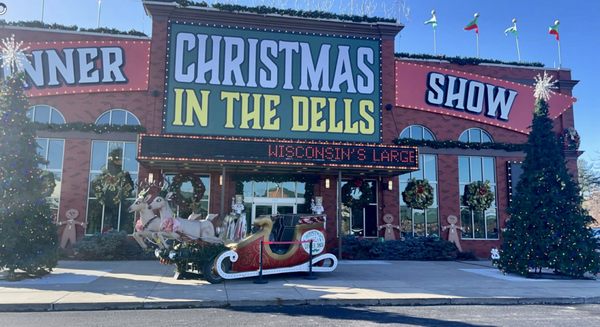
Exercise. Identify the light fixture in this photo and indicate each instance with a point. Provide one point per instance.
(150, 178)
(390, 186)
(220, 180)
(327, 183)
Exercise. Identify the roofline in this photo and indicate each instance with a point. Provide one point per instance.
(38, 29)
(175, 5)
(489, 64)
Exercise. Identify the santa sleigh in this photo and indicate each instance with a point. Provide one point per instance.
(281, 244)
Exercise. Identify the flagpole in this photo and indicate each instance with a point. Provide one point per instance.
(98, 19)
(477, 42)
(559, 60)
(518, 51)
(434, 47)
(43, 10)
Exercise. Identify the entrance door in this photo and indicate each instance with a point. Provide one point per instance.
(272, 207)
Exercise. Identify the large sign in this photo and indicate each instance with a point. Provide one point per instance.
(234, 81)
(68, 67)
(484, 99)
(254, 151)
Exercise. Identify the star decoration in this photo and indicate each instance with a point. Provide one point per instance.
(12, 53)
(543, 86)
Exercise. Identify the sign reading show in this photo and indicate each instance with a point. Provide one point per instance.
(67, 67)
(253, 151)
(474, 97)
(275, 84)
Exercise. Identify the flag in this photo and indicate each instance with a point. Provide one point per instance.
(554, 30)
(512, 29)
(473, 24)
(433, 20)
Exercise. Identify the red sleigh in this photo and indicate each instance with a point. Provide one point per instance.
(286, 241)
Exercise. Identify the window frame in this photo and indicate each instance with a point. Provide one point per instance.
(494, 188)
(96, 172)
(52, 110)
(482, 132)
(53, 170)
(424, 131)
(110, 114)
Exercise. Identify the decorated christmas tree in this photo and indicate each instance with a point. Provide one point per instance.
(27, 232)
(547, 226)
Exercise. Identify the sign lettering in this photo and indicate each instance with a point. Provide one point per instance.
(84, 67)
(272, 84)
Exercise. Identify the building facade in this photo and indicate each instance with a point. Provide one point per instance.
(280, 109)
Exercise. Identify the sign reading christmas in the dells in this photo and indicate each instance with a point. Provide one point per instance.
(235, 81)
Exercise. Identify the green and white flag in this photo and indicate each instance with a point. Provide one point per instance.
(432, 21)
(513, 29)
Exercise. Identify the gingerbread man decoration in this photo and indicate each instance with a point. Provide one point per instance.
(69, 233)
(453, 231)
(389, 234)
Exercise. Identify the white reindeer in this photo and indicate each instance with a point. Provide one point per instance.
(172, 227)
(149, 223)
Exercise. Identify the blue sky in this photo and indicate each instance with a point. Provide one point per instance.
(579, 41)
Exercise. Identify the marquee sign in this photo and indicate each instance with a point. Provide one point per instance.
(255, 151)
(469, 96)
(69, 67)
(235, 81)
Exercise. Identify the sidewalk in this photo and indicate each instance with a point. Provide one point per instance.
(80, 285)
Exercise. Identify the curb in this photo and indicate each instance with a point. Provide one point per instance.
(99, 306)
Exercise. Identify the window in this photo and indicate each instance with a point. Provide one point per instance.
(45, 114)
(117, 117)
(187, 191)
(417, 222)
(52, 150)
(417, 132)
(477, 225)
(102, 218)
(475, 135)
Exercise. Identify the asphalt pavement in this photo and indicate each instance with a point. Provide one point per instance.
(103, 285)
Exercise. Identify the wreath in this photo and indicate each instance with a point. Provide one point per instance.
(571, 140)
(112, 188)
(193, 202)
(418, 194)
(48, 183)
(350, 188)
(478, 196)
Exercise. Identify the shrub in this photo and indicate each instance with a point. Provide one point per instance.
(417, 248)
(112, 245)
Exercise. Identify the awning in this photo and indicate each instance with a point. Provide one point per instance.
(207, 153)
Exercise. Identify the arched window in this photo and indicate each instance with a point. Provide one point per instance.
(117, 117)
(415, 222)
(417, 132)
(475, 135)
(45, 114)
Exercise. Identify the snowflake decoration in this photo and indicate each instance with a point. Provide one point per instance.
(12, 53)
(543, 86)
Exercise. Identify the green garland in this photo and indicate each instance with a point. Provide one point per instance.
(418, 194)
(112, 189)
(466, 60)
(510, 147)
(309, 188)
(89, 127)
(478, 196)
(284, 12)
(39, 24)
(198, 191)
(365, 196)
